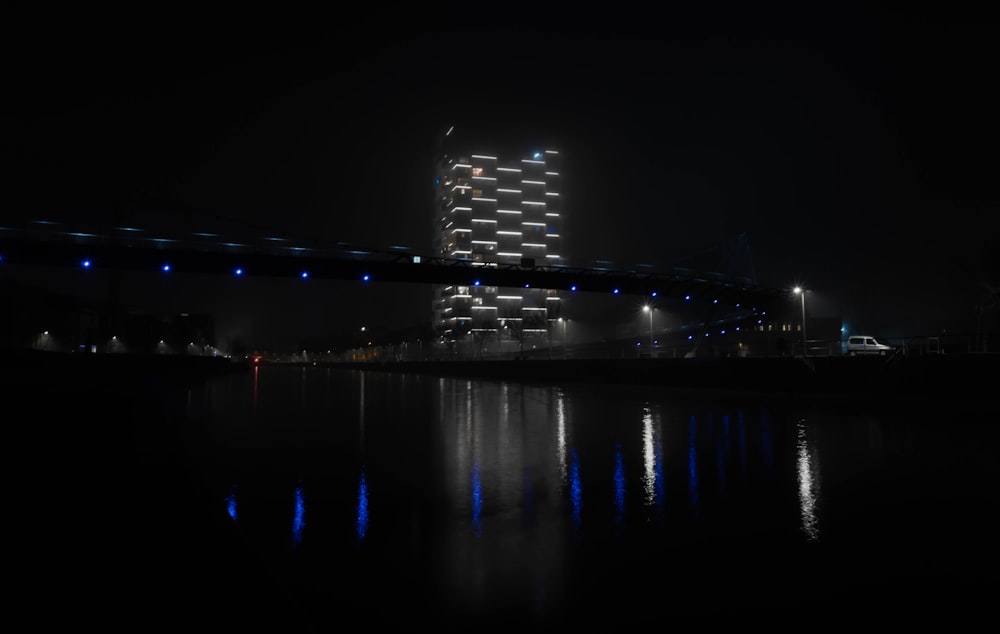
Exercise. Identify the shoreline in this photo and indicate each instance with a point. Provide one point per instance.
(965, 377)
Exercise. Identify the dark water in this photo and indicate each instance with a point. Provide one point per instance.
(291, 499)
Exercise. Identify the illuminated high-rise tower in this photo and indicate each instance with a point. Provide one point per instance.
(497, 210)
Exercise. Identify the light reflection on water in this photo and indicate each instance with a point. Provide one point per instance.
(532, 498)
(808, 470)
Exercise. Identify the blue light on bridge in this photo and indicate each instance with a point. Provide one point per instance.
(703, 287)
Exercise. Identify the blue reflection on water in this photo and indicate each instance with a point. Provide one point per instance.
(298, 521)
(231, 503)
(693, 495)
(575, 490)
(619, 486)
(361, 522)
(477, 501)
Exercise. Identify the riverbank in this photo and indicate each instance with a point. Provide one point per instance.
(35, 366)
(967, 377)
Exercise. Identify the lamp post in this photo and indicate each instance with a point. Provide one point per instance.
(802, 294)
(649, 309)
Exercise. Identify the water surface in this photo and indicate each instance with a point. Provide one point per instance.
(314, 498)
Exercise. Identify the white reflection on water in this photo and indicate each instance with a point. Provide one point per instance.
(648, 457)
(807, 467)
(652, 453)
(561, 434)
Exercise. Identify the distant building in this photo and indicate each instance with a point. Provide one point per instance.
(497, 211)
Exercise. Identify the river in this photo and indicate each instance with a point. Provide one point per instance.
(308, 499)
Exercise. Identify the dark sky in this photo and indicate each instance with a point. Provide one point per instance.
(855, 151)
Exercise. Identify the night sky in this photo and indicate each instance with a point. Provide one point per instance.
(856, 152)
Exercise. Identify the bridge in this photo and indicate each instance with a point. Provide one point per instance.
(58, 244)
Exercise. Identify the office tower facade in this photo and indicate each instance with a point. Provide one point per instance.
(496, 210)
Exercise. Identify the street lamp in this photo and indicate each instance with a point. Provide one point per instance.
(649, 309)
(802, 294)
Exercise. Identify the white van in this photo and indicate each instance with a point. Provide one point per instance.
(863, 344)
